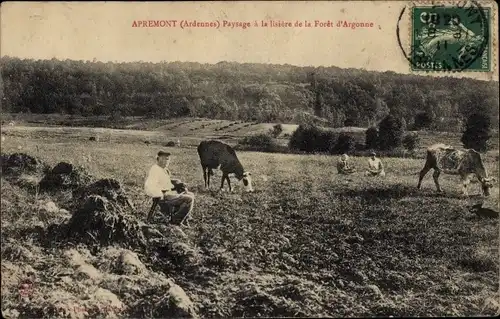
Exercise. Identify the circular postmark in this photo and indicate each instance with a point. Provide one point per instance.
(445, 37)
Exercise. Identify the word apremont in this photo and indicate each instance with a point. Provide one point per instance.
(154, 24)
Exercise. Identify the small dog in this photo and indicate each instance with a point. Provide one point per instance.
(482, 211)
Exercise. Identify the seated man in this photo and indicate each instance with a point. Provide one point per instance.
(158, 184)
(375, 167)
(343, 165)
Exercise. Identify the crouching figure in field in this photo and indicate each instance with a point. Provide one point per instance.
(375, 166)
(343, 166)
(168, 193)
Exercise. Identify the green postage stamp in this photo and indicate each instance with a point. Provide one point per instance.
(451, 37)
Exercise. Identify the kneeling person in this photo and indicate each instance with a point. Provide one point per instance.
(343, 166)
(158, 184)
(375, 167)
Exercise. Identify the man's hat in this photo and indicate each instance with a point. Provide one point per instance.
(162, 153)
(373, 153)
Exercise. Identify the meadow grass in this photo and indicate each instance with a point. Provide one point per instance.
(309, 241)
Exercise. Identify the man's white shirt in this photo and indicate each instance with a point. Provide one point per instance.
(158, 179)
(375, 164)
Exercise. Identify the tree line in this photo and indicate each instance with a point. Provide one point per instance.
(243, 91)
(389, 136)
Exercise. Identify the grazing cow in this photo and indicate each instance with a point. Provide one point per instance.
(446, 159)
(215, 154)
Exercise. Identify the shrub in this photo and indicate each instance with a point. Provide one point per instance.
(263, 142)
(329, 141)
(371, 138)
(422, 120)
(345, 144)
(116, 116)
(477, 132)
(276, 130)
(390, 133)
(298, 140)
(403, 124)
(411, 141)
(349, 122)
(170, 143)
(311, 139)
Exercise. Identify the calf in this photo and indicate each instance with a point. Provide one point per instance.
(215, 154)
(446, 159)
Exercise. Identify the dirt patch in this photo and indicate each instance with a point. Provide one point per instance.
(64, 176)
(104, 222)
(18, 163)
(102, 212)
(23, 170)
(14, 274)
(121, 261)
(162, 298)
(276, 295)
(15, 251)
(108, 188)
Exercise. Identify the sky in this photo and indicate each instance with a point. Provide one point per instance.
(104, 31)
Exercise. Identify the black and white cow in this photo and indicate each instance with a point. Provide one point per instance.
(214, 154)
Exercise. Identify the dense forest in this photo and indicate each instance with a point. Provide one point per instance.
(235, 91)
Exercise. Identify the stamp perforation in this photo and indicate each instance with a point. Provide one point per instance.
(451, 2)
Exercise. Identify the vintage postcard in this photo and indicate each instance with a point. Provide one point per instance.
(249, 159)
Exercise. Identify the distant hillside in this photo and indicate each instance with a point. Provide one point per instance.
(239, 92)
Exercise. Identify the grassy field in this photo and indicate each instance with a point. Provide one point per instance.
(308, 242)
